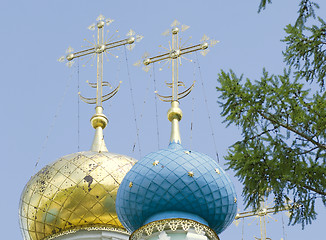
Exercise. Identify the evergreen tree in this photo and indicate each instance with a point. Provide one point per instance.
(283, 147)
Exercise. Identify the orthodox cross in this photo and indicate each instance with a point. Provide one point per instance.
(173, 55)
(98, 49)
(262, 212)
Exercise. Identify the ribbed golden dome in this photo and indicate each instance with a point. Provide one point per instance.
(78, 191)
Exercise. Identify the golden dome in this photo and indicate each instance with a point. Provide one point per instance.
(78, 191)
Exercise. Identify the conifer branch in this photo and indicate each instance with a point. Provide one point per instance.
(308, 138)
(314, 190)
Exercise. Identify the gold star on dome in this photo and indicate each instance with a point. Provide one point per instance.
(235, 200)
(190, 174)
(155, 163)
(217, 171)
(130, 184)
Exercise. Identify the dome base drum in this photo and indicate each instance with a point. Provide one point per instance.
(174, 228)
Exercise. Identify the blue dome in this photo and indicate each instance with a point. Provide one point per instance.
(176, 183)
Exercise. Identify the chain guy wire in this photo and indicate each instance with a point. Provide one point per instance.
(58, 110)
(143, 106)
(133, 103)
(243, 224)
(284, 234)
(193, 105)
(78, 109)
(156, 110)
(192, 119)
(207, 109)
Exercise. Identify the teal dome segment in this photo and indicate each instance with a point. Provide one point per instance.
(176, 179)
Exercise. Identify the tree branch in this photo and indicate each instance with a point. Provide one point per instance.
(262, 133)
(322, 146)
(307, 151)
(314, 190)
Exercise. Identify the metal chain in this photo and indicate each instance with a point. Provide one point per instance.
(156, 111)
(133, 102)
(207, 109)
(59, 107)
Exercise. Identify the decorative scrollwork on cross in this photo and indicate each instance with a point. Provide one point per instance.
(262, 213)
(175, 52)
(98, 49)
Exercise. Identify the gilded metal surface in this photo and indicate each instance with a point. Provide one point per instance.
(99, 122)
(155, 163)
(175, 115)
(78, 191)
(99, 119)
(100, 47)
(263, 212)
(98, 144)
(173, 224)
(174, 112)
(174, 55)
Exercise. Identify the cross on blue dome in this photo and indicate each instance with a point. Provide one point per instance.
(176, 183)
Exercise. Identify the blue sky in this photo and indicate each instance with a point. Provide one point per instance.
(40, 105)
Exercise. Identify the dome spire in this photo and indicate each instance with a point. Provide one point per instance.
(74, 197)
(174, 57)
(99, 48)
(176, 193)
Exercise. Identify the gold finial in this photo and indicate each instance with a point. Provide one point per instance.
(175, 116)
(98, 49)
(174, 56)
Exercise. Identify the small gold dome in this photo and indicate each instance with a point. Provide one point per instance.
(78, 191)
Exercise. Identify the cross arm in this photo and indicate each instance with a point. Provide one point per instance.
(260, 212)
(129, 40)
(176, 53)
(193, 48)
(82, 53)
(100, 48)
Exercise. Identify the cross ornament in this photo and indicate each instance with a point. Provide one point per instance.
(174, 55)
(99, 48)
(261, 212)
(177, 51)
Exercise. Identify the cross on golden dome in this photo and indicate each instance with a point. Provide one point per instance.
(98, 49)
